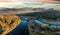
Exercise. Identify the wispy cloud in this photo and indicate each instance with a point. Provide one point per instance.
(30, 3)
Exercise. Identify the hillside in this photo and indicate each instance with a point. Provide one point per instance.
(48, 14)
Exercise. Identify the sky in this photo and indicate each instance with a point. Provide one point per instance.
(30, 0)
(46, 0)
(10, 3)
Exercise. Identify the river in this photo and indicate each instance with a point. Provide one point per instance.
(22, 29)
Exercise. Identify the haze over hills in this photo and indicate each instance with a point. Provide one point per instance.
(29, 4)
(34, 5)
(29, 7)
(23, 10)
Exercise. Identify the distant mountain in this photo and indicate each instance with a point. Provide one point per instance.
(20, 10)
(29, 10)
(53, 14)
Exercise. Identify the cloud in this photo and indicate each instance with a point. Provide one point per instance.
(56, 0)
(49, 1)
(6, 0)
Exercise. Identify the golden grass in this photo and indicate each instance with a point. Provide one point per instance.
(5, 21)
